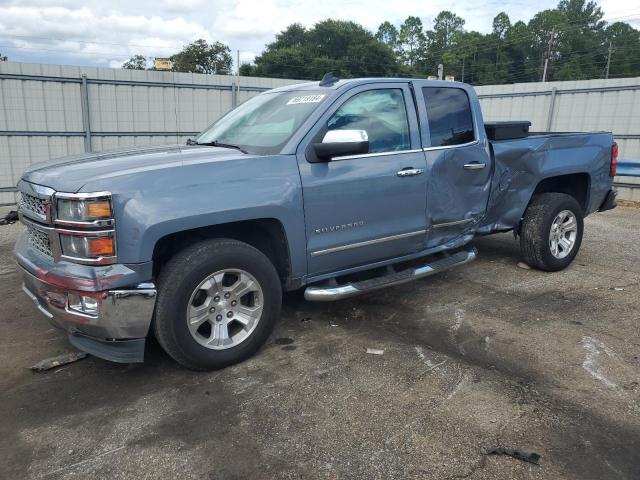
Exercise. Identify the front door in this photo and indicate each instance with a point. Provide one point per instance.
(458, 162)
(360, 209)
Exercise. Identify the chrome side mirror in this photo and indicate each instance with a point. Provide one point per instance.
(337, 143)
(345, 136)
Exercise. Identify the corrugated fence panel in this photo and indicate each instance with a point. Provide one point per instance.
(585, 105)
(589, 105)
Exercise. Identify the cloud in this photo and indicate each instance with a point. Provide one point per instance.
(184, 6)
(85, 33)
(109, 32)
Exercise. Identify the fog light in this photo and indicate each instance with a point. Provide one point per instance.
(83, 304)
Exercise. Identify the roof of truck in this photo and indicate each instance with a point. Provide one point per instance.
(361, 81)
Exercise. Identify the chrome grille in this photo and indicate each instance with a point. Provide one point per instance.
(39, 240)
(29, 203)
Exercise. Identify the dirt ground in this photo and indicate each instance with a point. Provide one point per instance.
(486, 355)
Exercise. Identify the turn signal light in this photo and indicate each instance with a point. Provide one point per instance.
(101, 246)
(99, 209)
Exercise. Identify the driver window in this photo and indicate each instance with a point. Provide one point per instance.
(381, 113)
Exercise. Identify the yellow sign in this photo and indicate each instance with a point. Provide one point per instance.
(162, 64)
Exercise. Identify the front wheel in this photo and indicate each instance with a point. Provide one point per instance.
(217, 304)
(551, 231)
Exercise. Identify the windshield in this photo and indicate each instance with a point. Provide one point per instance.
(263, 124)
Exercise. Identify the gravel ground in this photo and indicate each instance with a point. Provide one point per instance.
(485, 355)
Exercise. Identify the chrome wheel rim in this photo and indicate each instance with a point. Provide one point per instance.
(225, 309)
(564, 231)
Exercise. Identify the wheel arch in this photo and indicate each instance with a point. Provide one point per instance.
(577, 185)
(265, 234)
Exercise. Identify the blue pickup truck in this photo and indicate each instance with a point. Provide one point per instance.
(339, 187)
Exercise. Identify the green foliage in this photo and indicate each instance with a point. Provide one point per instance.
(412, 41)
(572, 36)
(202, 57)
(137, 62)
(344, 48)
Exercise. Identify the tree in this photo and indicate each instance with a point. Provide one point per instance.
(572, 37)
(625, 46)
(389, 35)
(344, 48)
(442, 41)
(581, 49)
(292, 37)
(547, 31)
(522, 65)
(247, 70)
(445, 27)
(137, 62)
(412, 40)
(501, 24)
(201, 57)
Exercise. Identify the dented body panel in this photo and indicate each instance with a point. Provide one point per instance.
(520, 165)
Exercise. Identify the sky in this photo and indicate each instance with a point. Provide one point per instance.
(108, 32)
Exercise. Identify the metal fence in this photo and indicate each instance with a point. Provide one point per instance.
(580, 106)
(49, 111)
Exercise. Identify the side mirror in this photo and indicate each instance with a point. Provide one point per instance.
(337, 143)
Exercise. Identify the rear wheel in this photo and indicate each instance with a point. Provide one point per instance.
(551, 231)
(217, 304)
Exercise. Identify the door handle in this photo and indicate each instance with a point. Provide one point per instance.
(474, 166)
(409, 172)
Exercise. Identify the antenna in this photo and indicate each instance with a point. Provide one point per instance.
(328, 79)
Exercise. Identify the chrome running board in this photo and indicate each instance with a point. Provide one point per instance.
(337, 292)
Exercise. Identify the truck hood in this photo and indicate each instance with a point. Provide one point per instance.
(70, 174)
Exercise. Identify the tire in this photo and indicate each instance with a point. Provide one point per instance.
(536, 238)
(187, 293)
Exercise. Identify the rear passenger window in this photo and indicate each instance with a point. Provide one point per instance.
(449, 114)
(381, 113)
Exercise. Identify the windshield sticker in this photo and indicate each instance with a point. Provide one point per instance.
(306, 99)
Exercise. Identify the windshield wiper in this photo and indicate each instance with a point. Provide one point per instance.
(216, 143)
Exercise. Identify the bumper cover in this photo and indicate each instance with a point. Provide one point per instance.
(609, 201)
(116, 332)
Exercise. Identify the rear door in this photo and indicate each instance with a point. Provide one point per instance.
(360, 209)
(458, 162)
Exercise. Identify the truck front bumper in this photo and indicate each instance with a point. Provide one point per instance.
(110, 324)
(106, 310)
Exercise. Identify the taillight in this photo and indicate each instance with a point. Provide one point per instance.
(614, 159)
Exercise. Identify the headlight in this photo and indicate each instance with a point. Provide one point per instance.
(84, 210)
(87, 247)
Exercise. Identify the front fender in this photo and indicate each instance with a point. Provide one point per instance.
(152, 205)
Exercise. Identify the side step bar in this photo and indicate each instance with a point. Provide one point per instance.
(338, 292)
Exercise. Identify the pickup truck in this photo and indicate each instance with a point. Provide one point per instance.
(339, 187)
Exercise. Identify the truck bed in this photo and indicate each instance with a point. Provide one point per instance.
(522, 163)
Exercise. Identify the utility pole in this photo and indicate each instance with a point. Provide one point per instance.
(462, 79)
(548, 54)
(238, 62)
(606, 75)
